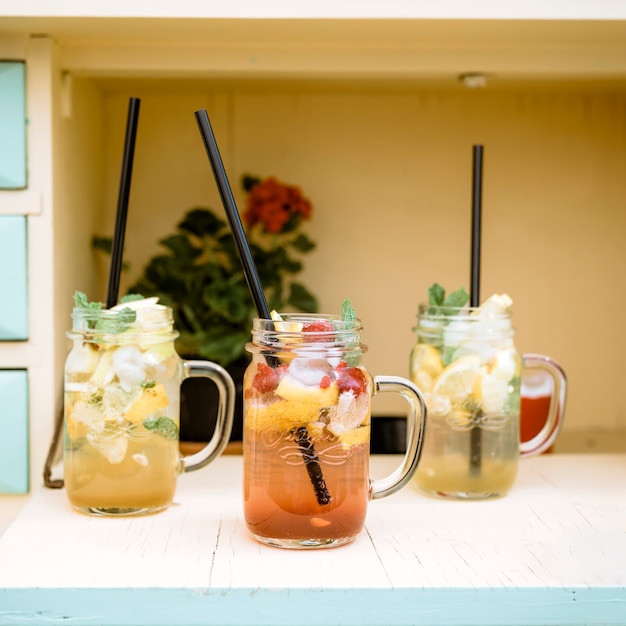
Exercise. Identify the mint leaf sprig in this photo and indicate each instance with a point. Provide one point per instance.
(82, 302)
(163, 426)
(446, 305)
(114, 322)
(348, 314)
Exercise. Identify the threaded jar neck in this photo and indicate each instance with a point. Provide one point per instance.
(307, 335)
(123, 325)
(434, 322)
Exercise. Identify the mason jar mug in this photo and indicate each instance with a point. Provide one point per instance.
(307, 407)
(122, 402)
(466, 364)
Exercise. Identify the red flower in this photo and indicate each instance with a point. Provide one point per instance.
(278, 207)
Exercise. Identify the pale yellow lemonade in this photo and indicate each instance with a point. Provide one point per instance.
(122, 387)
(469, 371)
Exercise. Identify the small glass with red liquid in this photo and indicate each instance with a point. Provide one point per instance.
(537, 394)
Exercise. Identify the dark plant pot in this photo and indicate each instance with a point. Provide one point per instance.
(388, 435)
(198, 407)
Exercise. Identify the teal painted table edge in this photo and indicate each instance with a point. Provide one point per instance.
(313, 607)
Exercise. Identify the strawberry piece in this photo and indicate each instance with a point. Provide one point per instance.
(321, 326)
(267, 378)
(325, 382)
(351, 379)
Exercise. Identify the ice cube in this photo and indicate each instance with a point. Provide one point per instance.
(89, 415)
(310, 372)
(505, 364)
(492, 393)
(351, 411)
(83, 358)
(129, 366)
(113, 449)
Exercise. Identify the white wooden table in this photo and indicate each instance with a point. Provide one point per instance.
(552, 552)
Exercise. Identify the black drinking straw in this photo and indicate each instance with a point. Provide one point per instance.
(477, 181)
(249, 268)
(254, 284)
(114, 271)
(122, 203)
(477, 184)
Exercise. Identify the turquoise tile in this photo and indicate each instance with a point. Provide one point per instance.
(14, 428)
(12, 125)
(13, 278)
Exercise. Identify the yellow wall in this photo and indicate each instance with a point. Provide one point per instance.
(388, 170)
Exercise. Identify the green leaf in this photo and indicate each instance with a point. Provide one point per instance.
(163, 275)
(222, 347)
(247, 182)
(105, 244)
(181, 247)
(199, 275)
(81, 302)
(163, 426)
(436, 295)
(202, 222)
(229, 301)
(131, 297)
(447, 305)
(347, 312)
(458, 298)
(301, 298)
(116, 321)
(289, 266)
(302, 243)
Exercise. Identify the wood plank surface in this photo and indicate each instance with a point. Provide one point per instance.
(553, 551)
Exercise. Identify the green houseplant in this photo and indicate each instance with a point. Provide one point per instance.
(200, 276)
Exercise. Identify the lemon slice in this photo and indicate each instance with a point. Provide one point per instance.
(104, 372)
(426, 365)
(497, 303)
(285, 327)
(458, 380)
(294, 391)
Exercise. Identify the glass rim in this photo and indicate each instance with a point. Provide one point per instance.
(270, 325)
(279, 336)
(115, 322)
(472, 312)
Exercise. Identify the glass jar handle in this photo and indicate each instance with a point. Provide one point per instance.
(416, 427)
(547, 435)
(225, 412)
